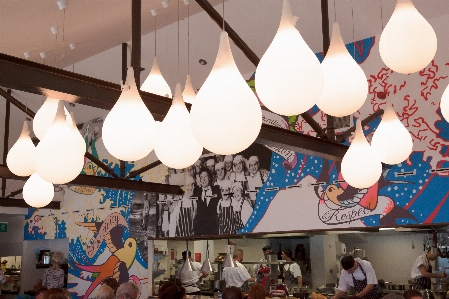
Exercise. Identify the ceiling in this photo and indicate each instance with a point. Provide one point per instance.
(101, 26)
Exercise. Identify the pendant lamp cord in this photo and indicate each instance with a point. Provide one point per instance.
(63, 39)
(223, 17)
(353, 30)
(166, 40)
(381, 16)
(155, 32)
(178, 40)
(188, 39)
(335, 12)
(382, 24)
(56, 46)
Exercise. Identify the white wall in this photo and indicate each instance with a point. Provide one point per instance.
(11, 241)
(392, 256)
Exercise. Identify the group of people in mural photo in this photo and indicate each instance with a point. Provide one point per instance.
(220, 197)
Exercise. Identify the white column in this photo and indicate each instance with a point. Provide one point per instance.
(323, 259)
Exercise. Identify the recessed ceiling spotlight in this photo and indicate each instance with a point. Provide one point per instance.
(72, 104)
(202, 62)
(154, 12)
(165, 3)
(27, 54)
(72, 46)
(54, 29)
(43, 54)
(62, 4)
(186, 2)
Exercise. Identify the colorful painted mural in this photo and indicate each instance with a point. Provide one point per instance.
(263, 189)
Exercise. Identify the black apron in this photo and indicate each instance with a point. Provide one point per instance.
(423, 282)
(289, 276)
(359, 285)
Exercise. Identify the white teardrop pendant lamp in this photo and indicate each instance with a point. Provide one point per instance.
(361, 166)
(408, 43)
(226, 117)
(155, 82)
(345, 84)
(444, 104)
(392, 140)
(20, 159)
(37, 192)
(58, 158)
(176, 146)
(81, 144)
(188, 94)
(129, 128)
(45, 115)
(289, 77)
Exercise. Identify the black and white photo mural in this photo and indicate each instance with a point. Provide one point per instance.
(220, 194)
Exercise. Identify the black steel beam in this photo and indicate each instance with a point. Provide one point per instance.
(100, 164)
(348, 132)
(134, 173)
(315, 125)
(330, 120)
(325, 25)
(20, 203)
(124, 61)
(6, 138)
(136, 38)
(16, 103)
(305, 144)
(29, 76)
(14, 193)
(102, 94)
(238, 41)
(104, 182)
(122, 169)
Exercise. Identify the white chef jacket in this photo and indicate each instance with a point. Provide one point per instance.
(346, 278)
(294, 268)
(2, 279)
(190, 279)
(420, 261)
(235, 276)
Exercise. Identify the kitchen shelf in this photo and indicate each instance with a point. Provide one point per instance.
(159, 256)
(41, 266)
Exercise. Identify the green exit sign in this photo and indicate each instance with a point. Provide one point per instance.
(3, 227)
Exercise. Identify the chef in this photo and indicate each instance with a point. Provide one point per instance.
(238, 275)
(190, 279)
(266, 250)
(292, 272)
(360, 275)
(422, 270)
(256, 178)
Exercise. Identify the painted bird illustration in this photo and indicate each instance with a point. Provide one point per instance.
(118, 264)
(345, 196)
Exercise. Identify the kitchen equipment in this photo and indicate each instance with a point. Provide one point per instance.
(399, 286)
(439, 287)
(46, 258)
(303, 294)
(218, 285)
(357, 252)
(439, 294)
(390, 286)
